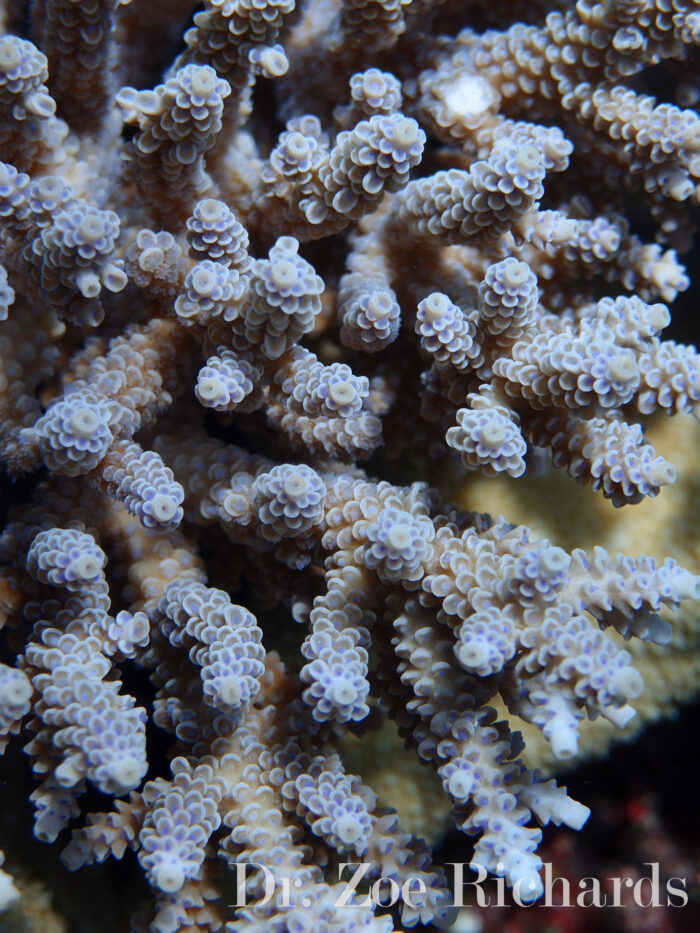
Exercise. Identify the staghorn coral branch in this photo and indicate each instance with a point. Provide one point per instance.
(78, 43)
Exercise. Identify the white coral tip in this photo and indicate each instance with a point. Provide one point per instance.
(88, 284)
(472, 655)
(229, 691)
(529, 887)
(627, 683)
(348, 829)
(113, 278)
(460, 784)
(574, 814)
(16, 690)
(563, 739)
(169, 877)
(126, 774)
(619, 716)
(9, 895)
(551, 803)
(662, 473)
(687, 586)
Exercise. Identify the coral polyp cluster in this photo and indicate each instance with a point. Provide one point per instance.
(265, 292)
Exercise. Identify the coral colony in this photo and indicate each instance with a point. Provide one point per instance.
(238, 266)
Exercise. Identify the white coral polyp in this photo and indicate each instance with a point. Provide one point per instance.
(66, 557)
(163, 507)
(400, 544)
(289, 500)
(459, 779)
(228, 689)
(489, 440)
(168, 875)
(469, 97)
(125, 774)
(75, 432)
(540, 573)
(474, 655)
(343, 691)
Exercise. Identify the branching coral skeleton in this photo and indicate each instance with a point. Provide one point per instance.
(326, 234)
